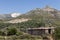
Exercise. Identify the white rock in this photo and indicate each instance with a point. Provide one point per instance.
(15, 14)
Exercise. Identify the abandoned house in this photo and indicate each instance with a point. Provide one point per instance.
(41, 30)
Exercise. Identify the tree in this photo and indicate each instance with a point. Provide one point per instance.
(11, 31)
(57, 33)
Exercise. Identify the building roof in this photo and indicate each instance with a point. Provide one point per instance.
(42, 28)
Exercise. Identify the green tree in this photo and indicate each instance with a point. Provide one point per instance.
(11, 31)
(57, 33)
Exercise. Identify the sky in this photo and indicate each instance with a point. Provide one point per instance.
(23, 6)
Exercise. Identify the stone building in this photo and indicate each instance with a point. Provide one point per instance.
(41, 30)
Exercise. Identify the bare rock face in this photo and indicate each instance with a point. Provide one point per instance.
(14, 15)
(18, 20)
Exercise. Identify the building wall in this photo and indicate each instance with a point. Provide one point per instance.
(36, 32)
(40, 31)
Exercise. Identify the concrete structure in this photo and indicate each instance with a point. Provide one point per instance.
(41, 30)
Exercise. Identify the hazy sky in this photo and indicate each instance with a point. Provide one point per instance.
(22, 6)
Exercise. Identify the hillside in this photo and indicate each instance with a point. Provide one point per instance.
(18, 20)
(9, 16)
(47, 14)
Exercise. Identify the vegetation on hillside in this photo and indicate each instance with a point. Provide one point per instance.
(57, 33)
(40, 17)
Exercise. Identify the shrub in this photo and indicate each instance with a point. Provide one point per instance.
(12, 31)
(2, 33)
(19, 33)
(57, 33)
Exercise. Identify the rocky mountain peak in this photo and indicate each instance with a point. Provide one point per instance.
(48, 8)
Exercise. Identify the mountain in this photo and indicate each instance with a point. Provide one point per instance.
(9, 16)
(44, 12)
(5, 16)
(47, 14)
